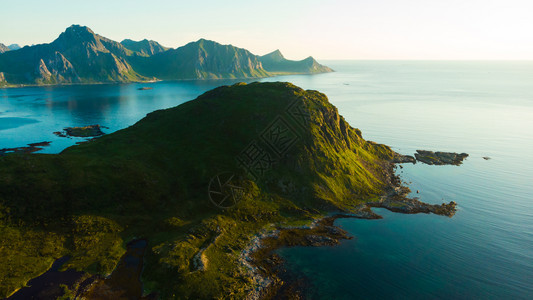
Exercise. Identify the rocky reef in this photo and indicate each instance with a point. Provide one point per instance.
(34, 147)
(440, 158)
(86, 131)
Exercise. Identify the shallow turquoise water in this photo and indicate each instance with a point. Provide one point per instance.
(482, 108)
(32, 114)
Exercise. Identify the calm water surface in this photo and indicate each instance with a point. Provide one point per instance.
(482, 108)
(486, 250)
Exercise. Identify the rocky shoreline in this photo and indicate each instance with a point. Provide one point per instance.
(266, 268)
(269, 276)
(34, 147)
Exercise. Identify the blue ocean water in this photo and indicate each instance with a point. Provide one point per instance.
(482, 108)
(486, 250)
(32, 114)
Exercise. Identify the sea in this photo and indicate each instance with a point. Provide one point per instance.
(483, 108)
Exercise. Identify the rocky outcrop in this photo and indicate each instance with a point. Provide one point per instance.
(266, 268)
(42, 73)
(414, 206)
(144, 47)
(121, 66)
(399, 158)
(4, 48)
(87, 131)
(34, 147)
(62, 68)
(440, 158)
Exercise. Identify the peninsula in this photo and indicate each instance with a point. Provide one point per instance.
(284, 158)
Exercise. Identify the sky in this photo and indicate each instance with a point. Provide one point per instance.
(332, 29)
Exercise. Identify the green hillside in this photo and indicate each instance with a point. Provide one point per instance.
(292, 154)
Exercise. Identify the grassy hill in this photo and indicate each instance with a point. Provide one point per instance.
(291, 152)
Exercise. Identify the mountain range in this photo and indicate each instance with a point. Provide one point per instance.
(4, 48)
(79, 55)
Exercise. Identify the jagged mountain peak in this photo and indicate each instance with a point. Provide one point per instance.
(145, 41)
(274, 55)
(79, 29)
(3, 48)
(77, 34)
(80, 55)
(204, 42)
(14, 47)
(144, 47)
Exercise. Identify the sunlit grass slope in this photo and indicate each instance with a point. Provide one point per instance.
(151, 180)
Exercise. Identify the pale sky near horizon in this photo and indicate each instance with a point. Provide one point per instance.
(334, 29)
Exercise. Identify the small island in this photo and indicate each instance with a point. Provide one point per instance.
(85, 131)
(440, 158)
